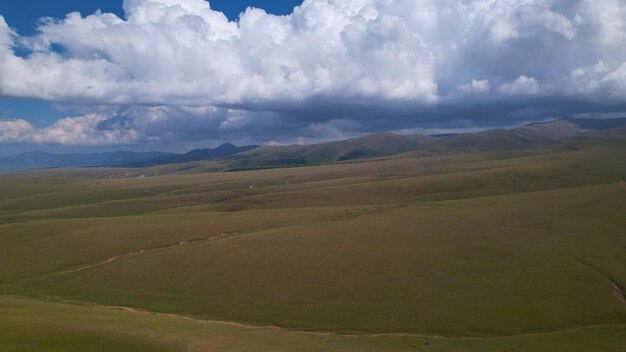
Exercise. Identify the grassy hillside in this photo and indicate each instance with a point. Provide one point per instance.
(31, 325)
(228, 157)
(513, 250)
(368, 146)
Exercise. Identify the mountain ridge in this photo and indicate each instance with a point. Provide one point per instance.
(40, 159)
(378, 144)
(223, 150)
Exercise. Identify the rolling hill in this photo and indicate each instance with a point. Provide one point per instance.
(38, 159)
(570, 127)
(490, 141)
(528, 136)
(368, 146)
(387, 144)
(457, 252)
(231, 157)
(224, 150)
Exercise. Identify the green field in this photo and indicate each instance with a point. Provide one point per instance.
(507, 251)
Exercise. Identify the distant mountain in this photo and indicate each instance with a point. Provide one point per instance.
(371, 145)
(571, 127)
(599, 124)
(528, 136)
(38, 159)
(386, 144)
(555, 130)
(368, 146)
(492, 140)
(222, 151)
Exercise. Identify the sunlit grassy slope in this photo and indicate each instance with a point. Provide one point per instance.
(515, 251)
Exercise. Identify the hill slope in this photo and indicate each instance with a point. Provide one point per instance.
(466, 252)
(368, 146)
(529, 136)
(224, 150)
(38, 159)
(231, 157)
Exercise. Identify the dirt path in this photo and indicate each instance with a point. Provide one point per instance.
(148, 250)
(618, 290)
(97, 264)
(430, 336)
(337, 334)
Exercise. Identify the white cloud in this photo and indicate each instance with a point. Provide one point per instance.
(608, 18)
(81, 130)
(183, 52)
(14, 130)
(600, 81)
(521, 86)
(143, 124)
(617, 77)
(6, 37)
(223, 76)
(274, 144)
(236, 119)
(476, 86)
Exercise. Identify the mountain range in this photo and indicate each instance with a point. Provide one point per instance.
(529, 136)
(224, 150)
(386, 144)
(368, 146)
(38, 159)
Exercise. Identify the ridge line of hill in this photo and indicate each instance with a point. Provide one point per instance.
(379, 144)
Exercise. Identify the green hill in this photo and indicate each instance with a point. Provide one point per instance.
(510, 250)
(368, 146)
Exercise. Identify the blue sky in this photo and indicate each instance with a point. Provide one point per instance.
(24, 15)
(178, 74)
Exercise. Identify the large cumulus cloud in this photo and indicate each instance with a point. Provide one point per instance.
(392, 63)
(145, 124)
(78, 131)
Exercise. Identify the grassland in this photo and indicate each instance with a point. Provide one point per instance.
(508, 251)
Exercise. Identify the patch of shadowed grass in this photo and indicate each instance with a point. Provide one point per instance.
(33, 326)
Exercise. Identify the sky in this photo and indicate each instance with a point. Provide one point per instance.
(179, 74)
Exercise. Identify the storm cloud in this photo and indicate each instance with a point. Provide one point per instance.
(177, 70)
